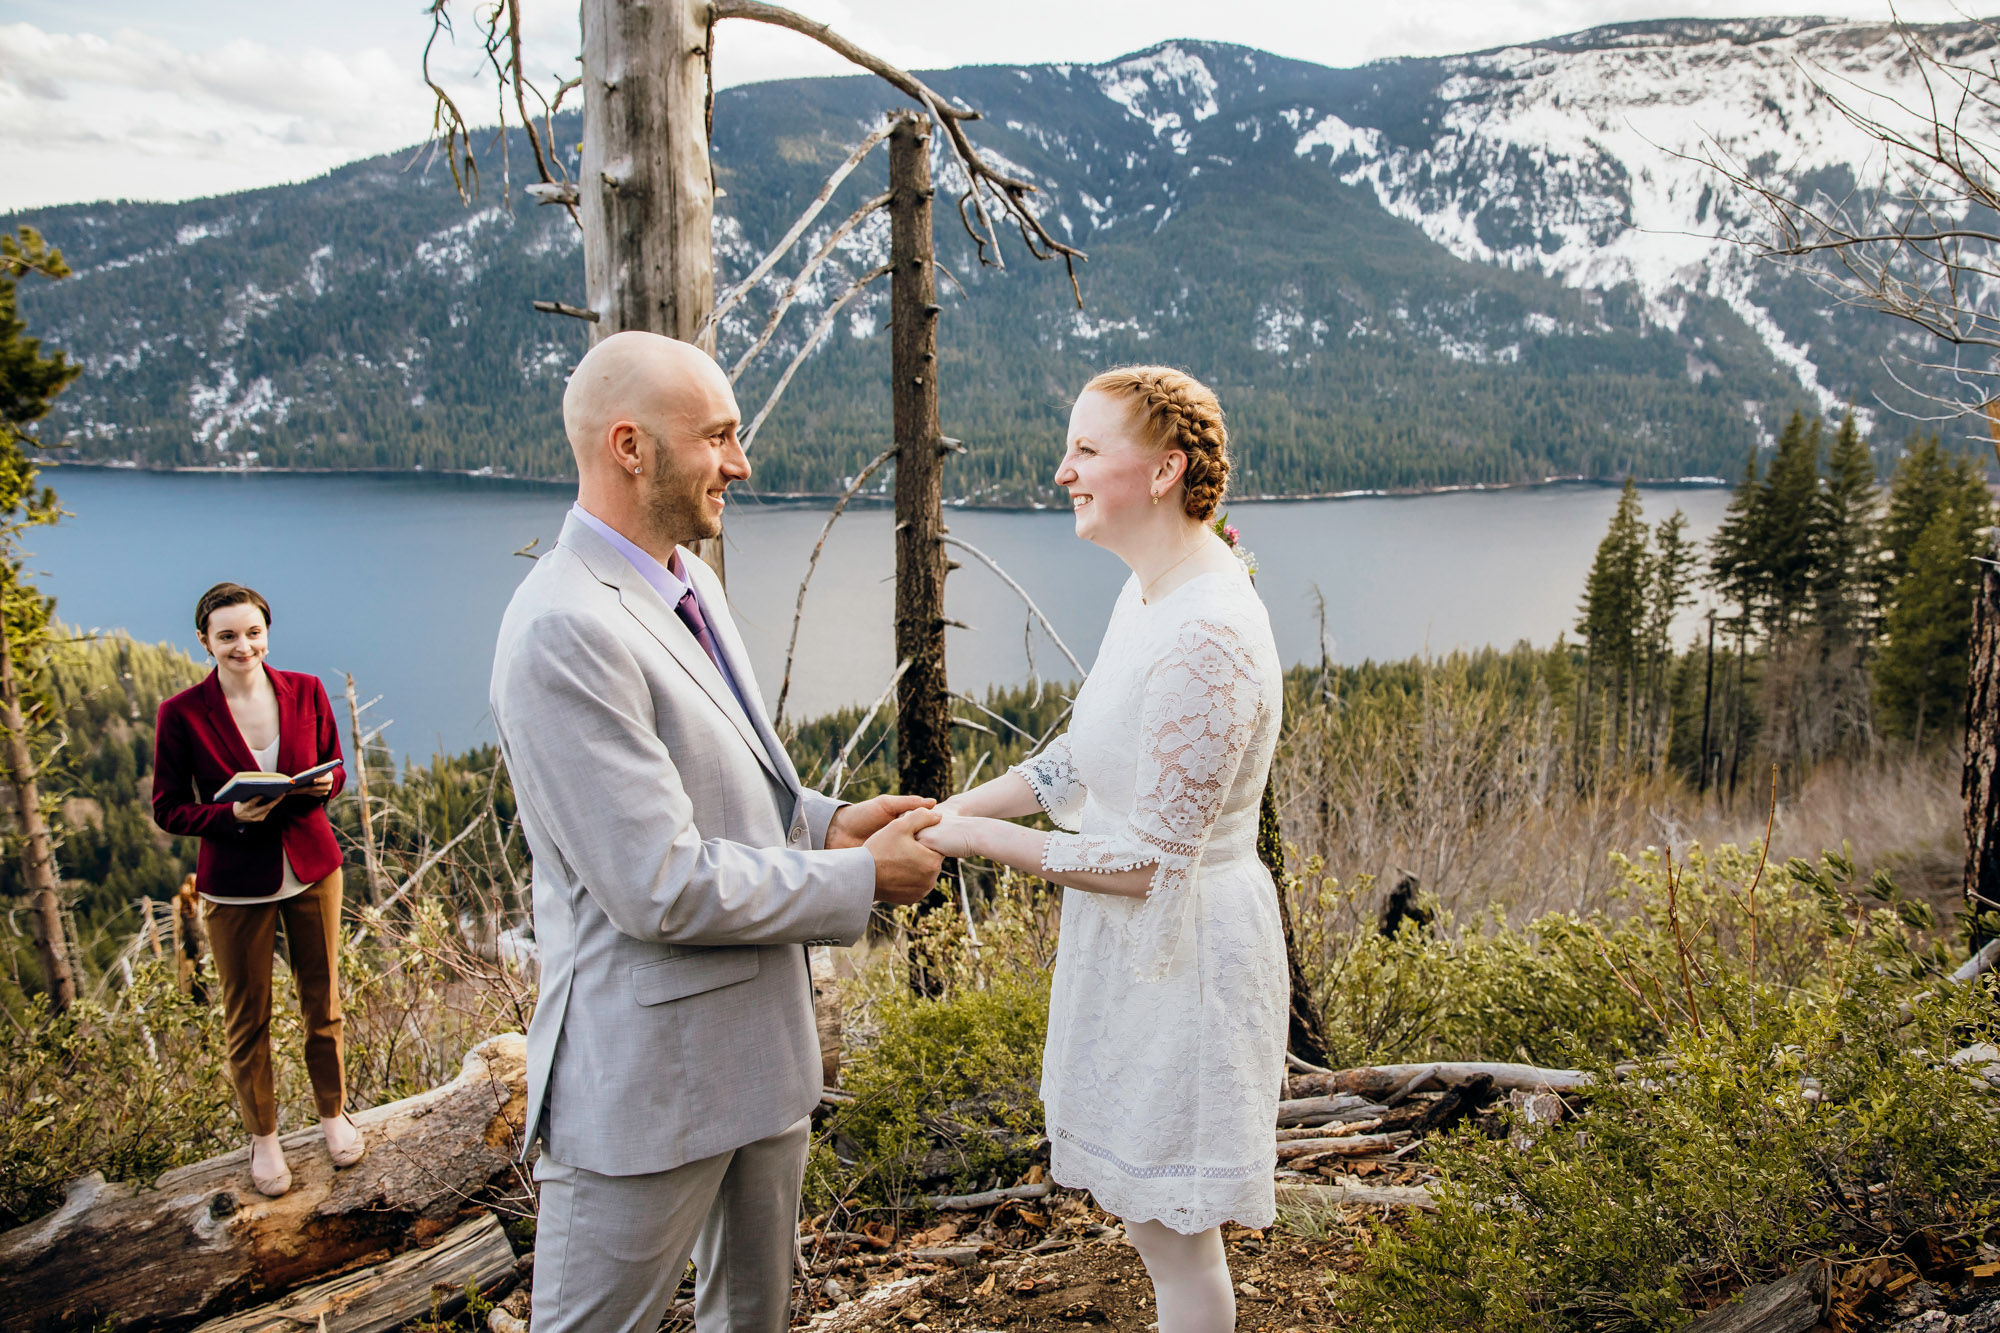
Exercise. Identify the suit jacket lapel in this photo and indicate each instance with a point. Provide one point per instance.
(723, 627)
(644, 603)
(235, 749)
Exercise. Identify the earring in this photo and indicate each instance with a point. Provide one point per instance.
(1156, 497)
(636, 471)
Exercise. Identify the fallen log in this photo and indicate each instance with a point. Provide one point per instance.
(1314, 1110)
(386, 1296)
(1351, 1145)
(1792, 1304)
(1382, 1081)
(201, 1241)
(1307, 1194)
(1333, 1129)
(871, 1308)
(966, 1203)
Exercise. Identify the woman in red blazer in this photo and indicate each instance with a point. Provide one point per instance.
(261, 861)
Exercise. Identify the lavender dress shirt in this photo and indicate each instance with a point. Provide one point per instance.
(665, 582)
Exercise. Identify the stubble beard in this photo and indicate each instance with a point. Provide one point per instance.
(676, 507)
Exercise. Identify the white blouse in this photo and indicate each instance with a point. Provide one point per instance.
(292, 886)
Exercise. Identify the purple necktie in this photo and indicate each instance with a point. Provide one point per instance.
(689, 610)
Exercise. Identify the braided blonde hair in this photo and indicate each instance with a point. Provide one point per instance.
(1174, 410)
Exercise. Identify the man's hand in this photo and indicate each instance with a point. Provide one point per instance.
(905, 869)
(854, 825)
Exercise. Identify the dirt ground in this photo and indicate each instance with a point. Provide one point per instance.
(991, 1274)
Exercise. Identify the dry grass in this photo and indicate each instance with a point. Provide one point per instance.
(1473, 792)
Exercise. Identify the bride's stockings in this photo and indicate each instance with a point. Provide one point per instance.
(1190, 1277)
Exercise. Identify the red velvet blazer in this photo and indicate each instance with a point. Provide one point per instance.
(197, 748)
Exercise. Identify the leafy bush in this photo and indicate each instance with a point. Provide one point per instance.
(1603, 982)
(1796, 1104)
(130, 1092)
(137, 1085)
(947, 1089)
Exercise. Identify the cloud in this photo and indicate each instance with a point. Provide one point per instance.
(129, 114)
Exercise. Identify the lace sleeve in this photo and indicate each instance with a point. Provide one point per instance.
(1200, 709)
(1052, 774)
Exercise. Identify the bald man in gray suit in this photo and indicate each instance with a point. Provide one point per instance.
(679, 868)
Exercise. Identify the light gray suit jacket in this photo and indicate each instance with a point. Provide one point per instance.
(675, 872)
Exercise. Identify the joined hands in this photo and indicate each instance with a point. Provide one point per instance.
(905, 869)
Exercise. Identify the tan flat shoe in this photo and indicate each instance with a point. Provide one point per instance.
(354, 1151)
(272, 1187)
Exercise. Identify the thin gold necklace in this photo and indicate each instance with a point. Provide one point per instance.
(1146, 591)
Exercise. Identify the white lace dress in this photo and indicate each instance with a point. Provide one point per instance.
(1166, 1046)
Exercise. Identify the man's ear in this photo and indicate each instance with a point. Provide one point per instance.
(626, 447)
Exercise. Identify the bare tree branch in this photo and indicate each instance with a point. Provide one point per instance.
(799, 610)
(791, 292)
(1908, 243)
(1008, 579)
(837, 775)
(499, 25)
(768, 262)
(805, 349)
(1010, 192)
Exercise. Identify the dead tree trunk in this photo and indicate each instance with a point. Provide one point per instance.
(923, 714)
(923, 702)
(1980, 785)
(200, 1242)
(1304, 1037)
(371, 861)
(647, 192)
(190, 942)
(38, 855)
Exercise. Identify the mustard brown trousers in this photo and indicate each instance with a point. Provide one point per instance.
(244, 938)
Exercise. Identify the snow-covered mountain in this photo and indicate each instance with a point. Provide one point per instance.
(1486, 267)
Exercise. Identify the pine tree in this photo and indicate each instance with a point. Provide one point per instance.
(1736, 574)
(1612, 619)
(1927, 479)
(1736, 552)
(1937, 505)
(29, 383)
(1920, 674)
(1790, 511)
(1843, 592)
(1670, 576)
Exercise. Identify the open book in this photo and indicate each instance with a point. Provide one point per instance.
(264, 786)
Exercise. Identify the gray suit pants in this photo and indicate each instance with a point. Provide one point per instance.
(611, 1250)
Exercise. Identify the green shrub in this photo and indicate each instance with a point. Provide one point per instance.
(1600, 982)
(1796, 1104)
(947, 1091)
(130, 1092)
(947, 1088)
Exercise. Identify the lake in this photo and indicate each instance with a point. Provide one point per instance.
(402, 579)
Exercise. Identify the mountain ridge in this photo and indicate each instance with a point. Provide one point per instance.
(1419, 272)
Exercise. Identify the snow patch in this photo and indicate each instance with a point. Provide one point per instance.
(1143, 82)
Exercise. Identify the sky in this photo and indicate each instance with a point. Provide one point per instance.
(108, 99)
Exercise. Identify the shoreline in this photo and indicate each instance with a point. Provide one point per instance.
(819, 499)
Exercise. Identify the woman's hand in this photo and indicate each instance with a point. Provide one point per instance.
(253, 812)
(322, 786)
(953, 835)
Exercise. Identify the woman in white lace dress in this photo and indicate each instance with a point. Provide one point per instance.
(1166, 1042)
